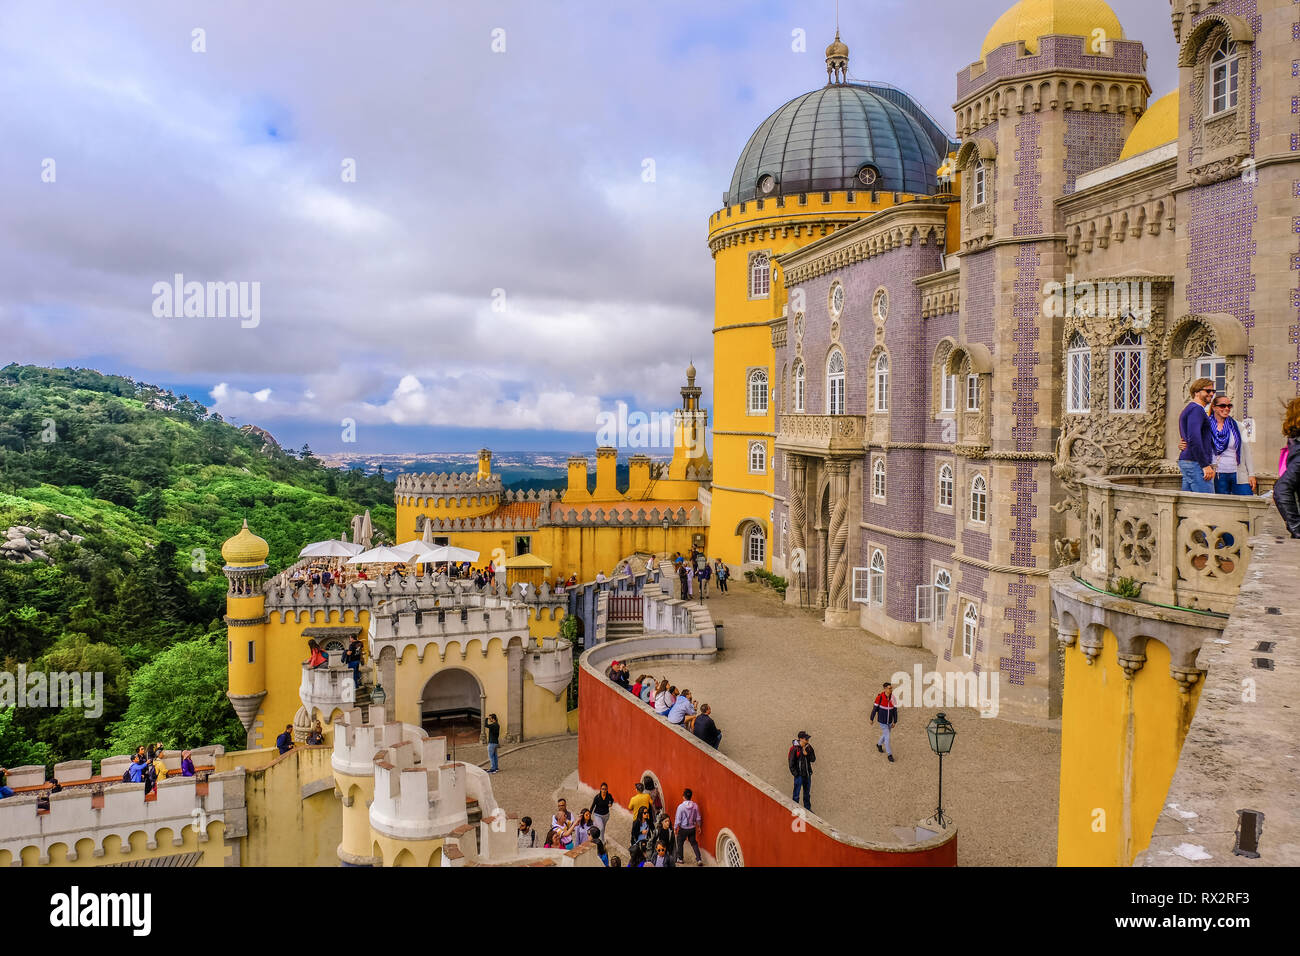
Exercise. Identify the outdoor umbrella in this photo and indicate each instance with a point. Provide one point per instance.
(330, 549)
(380, 556)
(446, 553)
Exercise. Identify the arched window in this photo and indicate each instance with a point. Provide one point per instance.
(882, 383)
(948, 400)
(757, 392)
(877, 577)
(970, 628)
(942, 588)
(981, 183)
(760, 276)
(835, 383)
(1078, 375)
(945, 486)
(755, 545)
(972, 393)
(1225, 74)
(757, 458)
(878, 479)
(798, 387)
(783, 397)
(979, 500)
(1128, 374)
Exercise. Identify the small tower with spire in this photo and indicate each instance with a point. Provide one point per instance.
(837, 62)
(689, 425)
(246, 569)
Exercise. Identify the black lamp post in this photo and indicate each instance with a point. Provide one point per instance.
(941, 734)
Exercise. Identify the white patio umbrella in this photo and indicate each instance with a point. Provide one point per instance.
(410, 548)
(446, 553)
(380, 556)
(330, 549)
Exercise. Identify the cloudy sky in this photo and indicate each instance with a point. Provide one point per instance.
(443, 204)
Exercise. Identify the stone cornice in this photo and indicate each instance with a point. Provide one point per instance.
(826, 222)
(886, 230)
(1122, 189)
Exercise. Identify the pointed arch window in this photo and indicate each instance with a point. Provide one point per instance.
(798, 386)
(979, 500)
(877, 577)
(835, 383)
(945, 486)
(1225, 77)
(878, 479)
(942, 588)
(970, 628)
(755, 545)
(760, 276)
(757, 392)
(757, 458)
(882, 383)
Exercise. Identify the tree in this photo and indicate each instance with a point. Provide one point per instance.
(16, 748)
(179, 699)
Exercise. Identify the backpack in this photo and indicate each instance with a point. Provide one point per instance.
(126, 775)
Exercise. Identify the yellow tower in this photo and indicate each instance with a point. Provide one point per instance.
(821, 162)
(245, 570)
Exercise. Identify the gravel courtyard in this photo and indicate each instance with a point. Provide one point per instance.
(782, 671)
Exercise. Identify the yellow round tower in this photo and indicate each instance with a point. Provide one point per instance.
(821, 162)
(245, 570)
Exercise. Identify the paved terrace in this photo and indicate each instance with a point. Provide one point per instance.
(782, 671)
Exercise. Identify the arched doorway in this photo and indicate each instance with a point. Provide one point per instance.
(451, 706)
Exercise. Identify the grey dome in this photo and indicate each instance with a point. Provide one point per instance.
(819, 141)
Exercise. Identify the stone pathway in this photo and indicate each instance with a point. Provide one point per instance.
(782, 671)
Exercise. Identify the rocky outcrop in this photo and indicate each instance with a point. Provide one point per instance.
(23, 544)
(269, 443)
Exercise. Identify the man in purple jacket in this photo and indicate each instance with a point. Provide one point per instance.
(1194, 427)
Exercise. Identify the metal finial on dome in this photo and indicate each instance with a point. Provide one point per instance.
(690, 373)
(837, 61)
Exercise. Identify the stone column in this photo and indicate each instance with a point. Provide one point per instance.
(797, 557)
(514, 692)
(837, 537)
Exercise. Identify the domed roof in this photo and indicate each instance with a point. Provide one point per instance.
(837, 47)
(1158, 126)
(823, 139)
(245, 549)
(1030, 19)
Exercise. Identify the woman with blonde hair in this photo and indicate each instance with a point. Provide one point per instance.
(1286, 493)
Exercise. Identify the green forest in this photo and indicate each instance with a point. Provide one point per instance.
(134, 489)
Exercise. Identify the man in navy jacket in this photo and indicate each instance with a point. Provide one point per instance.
(1194, 427)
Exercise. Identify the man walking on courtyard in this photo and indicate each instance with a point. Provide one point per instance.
(494, 740)
(887, 711)
(801, 759)
(1196, 460)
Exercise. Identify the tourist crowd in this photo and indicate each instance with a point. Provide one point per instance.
(677, 707)
(694, 572)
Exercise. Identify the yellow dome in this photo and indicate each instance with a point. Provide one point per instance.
(245, 549)
(1158, 126)
(1030, 19)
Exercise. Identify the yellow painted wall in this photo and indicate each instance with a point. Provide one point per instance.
(582, 551)
(356, 837)
(214, 850)
(285, 652)
(1120, 742)
(748, 345)
(246, 677)
(284, 829)
(407, 852)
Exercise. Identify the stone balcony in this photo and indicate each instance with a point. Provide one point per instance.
(823, 435)
(331, 687)
(1185, 550)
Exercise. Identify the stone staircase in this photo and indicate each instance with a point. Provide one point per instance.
(617, 630)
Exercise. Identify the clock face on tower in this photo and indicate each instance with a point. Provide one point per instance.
(868, 176)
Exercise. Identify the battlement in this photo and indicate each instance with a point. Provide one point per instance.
(1058, 54)
(627, 517)
(105, 817)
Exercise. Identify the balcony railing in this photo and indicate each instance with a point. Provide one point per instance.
(823, 434)
(1182, 549)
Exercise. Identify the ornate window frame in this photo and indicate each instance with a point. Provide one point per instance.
(936, 570)
(758, 280)
(756, 402)
(942, 464)
(836, 314)
(799, 377)
(879, 479)
(970, 630)
(757, 458)
(876, 575)
(1078, 376)
(880, 386)
(836, 378)
(1129, 349)
(1217, 143)
(977, 500)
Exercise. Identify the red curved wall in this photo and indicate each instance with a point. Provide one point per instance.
(619, 738)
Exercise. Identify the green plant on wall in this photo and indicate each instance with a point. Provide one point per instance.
(1128, 588)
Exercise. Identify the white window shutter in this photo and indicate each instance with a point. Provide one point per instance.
(924, 603)
(861, 585)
